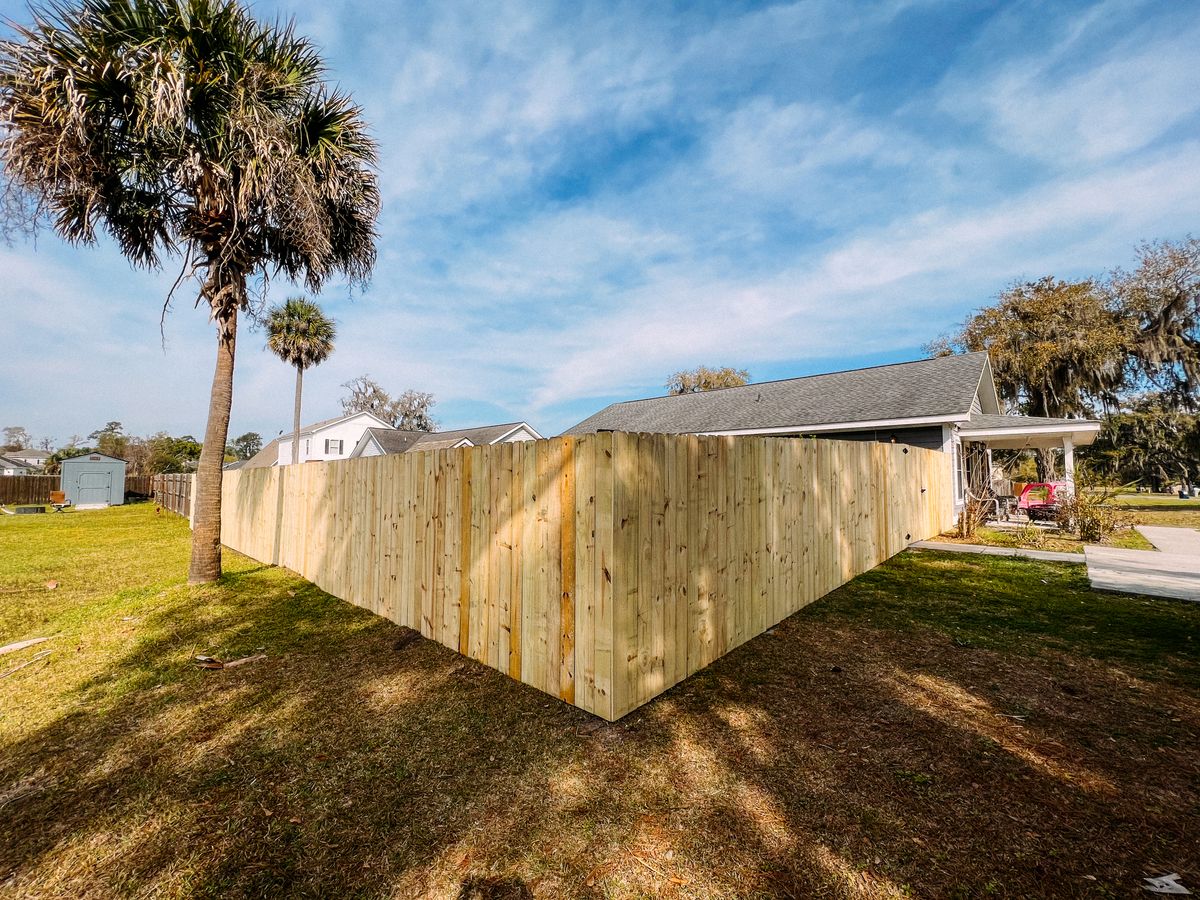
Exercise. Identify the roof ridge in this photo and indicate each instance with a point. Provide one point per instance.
(478, 427)
(754, 384)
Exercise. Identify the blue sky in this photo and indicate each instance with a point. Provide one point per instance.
(581, 198)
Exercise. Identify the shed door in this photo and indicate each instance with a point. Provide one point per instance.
(94, 487)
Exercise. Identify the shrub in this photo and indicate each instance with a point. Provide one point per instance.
(1031, 536)
(1085, 513)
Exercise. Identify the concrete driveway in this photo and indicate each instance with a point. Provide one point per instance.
(1171, 571)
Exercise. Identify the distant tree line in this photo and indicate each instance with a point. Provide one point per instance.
(156, 454)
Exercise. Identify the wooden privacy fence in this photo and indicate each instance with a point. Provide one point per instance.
(173, 492)
(37, 488)
(138, 485)
(27, 488)
(600, 569)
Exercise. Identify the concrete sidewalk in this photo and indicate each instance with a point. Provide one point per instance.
(1046, 555)
(1174, 572)
(1172, 540)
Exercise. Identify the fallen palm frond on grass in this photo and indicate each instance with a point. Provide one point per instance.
(942, 726)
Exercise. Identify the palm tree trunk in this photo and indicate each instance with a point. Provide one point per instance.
(296, 417)
(206, 530)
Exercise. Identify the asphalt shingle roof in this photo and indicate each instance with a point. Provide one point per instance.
(267, 456)
(943, 386)
(395, 441)
(484, 434)
(982, 421)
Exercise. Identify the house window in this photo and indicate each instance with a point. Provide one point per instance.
(307, 446)
(958, 472)
(333, 447)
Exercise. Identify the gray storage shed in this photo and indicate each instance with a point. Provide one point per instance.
(93, 480)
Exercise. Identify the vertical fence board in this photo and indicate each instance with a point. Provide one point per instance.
(567, 538)
(516, 533)
(584, 506)
(605, 535)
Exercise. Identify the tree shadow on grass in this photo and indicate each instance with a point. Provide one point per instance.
(857, 760)
(832, 757)
(324, 769)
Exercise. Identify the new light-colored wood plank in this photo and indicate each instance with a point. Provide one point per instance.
(626, 656)
(605, 536)
(533, 649)
(464, 553)
(515, 582)
(585, 572)
(601, 569)
(497, 613)
(552, 556)
(566, 569)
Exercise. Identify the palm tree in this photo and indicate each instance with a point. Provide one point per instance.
(186, 127)
(300, 335)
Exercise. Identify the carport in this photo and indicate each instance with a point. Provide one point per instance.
(1028, 433)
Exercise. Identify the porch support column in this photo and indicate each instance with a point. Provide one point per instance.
(1069, 460)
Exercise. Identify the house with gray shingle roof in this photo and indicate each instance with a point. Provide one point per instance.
(364, 434)
(381, 441)
(319, 442)
(948, 403)
(34, 459)
(10, 466)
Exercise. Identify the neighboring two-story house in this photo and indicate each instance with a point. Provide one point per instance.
(330, 439)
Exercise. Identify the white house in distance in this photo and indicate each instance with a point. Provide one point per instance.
(34, 459)
(11, 466)
(364, 434)
(328, 439)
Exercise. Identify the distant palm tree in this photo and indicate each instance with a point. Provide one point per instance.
(300, 335)
(186, 127)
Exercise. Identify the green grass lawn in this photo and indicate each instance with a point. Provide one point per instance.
(945, 725)
(1136, 509)
(1127, 538)
(1160, 509)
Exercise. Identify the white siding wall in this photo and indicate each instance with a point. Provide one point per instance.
(371, 449)
(519, 435)
(312, 446)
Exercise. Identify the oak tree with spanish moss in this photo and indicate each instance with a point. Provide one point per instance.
(185, 127)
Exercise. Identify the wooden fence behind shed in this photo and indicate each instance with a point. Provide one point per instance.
(600, 569)
(173, 492)
(138, 486)
(27, 488)
(37, 488)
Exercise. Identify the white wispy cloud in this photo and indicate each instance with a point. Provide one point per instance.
(580, 199)
(1114, 82)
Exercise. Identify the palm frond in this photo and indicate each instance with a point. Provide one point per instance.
(188, 126)
(299, 333)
